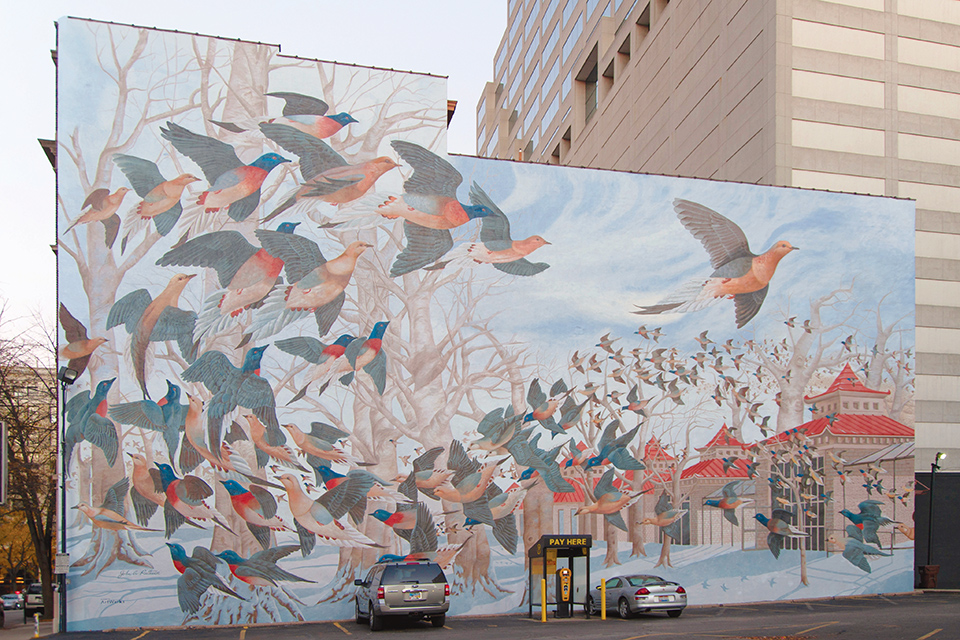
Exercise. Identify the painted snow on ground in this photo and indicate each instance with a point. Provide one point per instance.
(127, 596)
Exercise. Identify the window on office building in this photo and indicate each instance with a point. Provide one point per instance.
(572, 39)
(533, 56)
(531, 84)
(551, 43)
(568, 10)
(513, 67)
(553, 105)
(514, 28)
(551, 9)
(530, 121)
(588, 76)
(551, 76)
(501, 58)
(533, 19)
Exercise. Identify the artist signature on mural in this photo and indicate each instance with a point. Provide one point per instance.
(138, 572)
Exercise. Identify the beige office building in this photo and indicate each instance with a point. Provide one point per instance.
(845, 95)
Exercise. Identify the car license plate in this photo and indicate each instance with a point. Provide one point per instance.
(413, 595)
(664, 598)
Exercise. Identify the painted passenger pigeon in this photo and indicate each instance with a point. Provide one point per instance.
(496, 247)
(729, 502)
(109, 515)
(368, 356)
(234, 186)
(257, 507)
(246, 273)
(87, 421)
(234, 387)
(325, 356)
(321, 517)
(101, 206)
(610, 501)
(261, 569)
(154, 320)
(185, 500)
(428, 206)
(166, 417)
(666, 517)
(780, 526)
(160, 198)
(79, 346)
(315, 285)
(198, 573)
(737, 272)
(306, 113)
(327, 177)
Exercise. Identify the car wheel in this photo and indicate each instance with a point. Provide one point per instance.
(674, 613)
(591, 606)
(360, 618)
(376, 622)
(623, 608)
(439, 621)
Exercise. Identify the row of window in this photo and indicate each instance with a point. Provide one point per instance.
(552, 56)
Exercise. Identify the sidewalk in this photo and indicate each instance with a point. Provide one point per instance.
(19, 631)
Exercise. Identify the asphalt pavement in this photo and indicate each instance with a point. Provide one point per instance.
(915, 616)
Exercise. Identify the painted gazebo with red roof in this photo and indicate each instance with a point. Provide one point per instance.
(847, 394)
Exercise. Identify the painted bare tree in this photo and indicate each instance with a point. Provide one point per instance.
(812, 344)
(438, 374)
(889, 365)
(142, 99)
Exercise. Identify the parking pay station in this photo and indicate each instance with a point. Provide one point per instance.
(562, 564)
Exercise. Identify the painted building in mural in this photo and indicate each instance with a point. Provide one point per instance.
(309, 338)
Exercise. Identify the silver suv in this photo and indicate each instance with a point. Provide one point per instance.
(33, 601)
(415, 590)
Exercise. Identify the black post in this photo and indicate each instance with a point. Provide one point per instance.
(933, 481)
(62, 433)
(66, 376)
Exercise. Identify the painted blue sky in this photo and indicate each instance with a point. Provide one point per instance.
(616, 242)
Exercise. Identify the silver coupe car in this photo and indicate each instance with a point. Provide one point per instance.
(637, 594)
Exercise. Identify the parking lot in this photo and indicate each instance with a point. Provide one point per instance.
(917, 616)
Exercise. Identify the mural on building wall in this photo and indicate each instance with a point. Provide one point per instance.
(308, 338)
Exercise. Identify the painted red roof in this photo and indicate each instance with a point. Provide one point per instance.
(848, 425)
(655, 451)
(724, 438)
(846, 381)
(714, 469)
(577, 495)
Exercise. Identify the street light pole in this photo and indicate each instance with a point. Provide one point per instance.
(66, 377)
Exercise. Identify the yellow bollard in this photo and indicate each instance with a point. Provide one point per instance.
(543, 600)
(603, 599)
(36, 625)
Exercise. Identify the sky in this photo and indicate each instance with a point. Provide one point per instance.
(453, 39)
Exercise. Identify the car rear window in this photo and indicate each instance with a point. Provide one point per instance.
(35, 588)
(640, 581)
(413, 573)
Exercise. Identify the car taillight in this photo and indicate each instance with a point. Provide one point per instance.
(643, 591)
(446, 589)
(681, 590)
(380, 593)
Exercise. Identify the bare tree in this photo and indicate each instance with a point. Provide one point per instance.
(28, 404)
